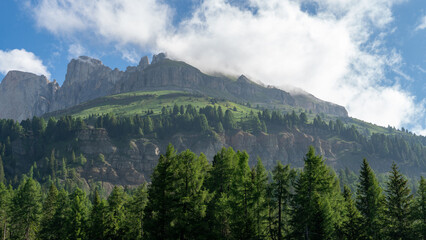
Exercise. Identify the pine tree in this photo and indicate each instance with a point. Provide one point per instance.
(316, 186)
(59, 224)
(229, 120)
(369, 202)
(280, 189)
(5, 204)
(219, 184)
(190, 197)
(26, 209)
(158, 210)
(260, 205)
(77, 215)
(115, 214)
(97, 218)
(48, 212)
(420, 205)
(2, 176)
(399, 225)
(352, 218)
(135, 212)
(241, 199)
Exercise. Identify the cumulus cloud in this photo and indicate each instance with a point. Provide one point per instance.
(122, 21)
(330, 51)
(422, 24)
(20, 59)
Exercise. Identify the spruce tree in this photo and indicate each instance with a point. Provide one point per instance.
(241, 199)
(77, 215)
(49, 208)
(158, 216)
(351, 226)
(59, 225)
(260, 205)
(370, 202)
(314, 189)
(26, 209)
(399, 224)
(5, 204)
(97, 218)
(219, 184)
(2, 176)
(280, 188)
(190, 196)
(133, 223)
(420, 214)
(115, 214)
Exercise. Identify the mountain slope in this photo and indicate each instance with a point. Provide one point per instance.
(88, 78)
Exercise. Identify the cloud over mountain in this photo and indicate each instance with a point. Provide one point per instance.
(20, 59)
(333, 49)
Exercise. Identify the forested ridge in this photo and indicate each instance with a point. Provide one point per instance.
(190, 198)
(49, 158)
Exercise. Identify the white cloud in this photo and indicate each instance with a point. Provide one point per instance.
(20, 59)
(76, 50)
(122, 21)
(332, 54)
(422, 24)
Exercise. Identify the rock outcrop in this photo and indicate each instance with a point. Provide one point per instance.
(132, 161)
(24, 95)
(86, 79)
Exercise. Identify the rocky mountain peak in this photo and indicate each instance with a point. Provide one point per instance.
(144, 62)
(89, 60)
(158, 58)
(16, 77)
(23, 95)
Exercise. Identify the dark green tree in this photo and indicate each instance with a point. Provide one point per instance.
(190, 196)
(219, 184)
(97, 218)
(229, 121)
(2, 176)
(280, 189)
(158, 217)
(314, 189)
(420, 214)
(48, 212)
(5, 204)
(133, 223)
(351, 226)
(115, 214)
(26, 209)
(399, 224)
(370, 202)
(260, 204)
(77, 215)
(241, 199)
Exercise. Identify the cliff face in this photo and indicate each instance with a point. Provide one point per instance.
(86, 79)
(132, 161)
(25, 95)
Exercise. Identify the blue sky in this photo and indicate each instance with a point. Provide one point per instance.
(367, 55)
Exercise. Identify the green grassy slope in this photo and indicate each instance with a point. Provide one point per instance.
(138, 103)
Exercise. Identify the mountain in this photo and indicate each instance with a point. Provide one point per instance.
(88, 79)
(23, 95)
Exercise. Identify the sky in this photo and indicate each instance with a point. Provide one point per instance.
(366, 55)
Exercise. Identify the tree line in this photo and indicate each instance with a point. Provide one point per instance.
(43, 136)
(190, 198)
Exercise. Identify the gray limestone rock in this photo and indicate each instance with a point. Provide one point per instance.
(24, 95)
